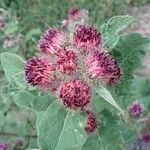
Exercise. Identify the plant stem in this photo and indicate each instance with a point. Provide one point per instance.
(14, 134)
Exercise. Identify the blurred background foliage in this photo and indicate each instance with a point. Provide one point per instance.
(34, 16)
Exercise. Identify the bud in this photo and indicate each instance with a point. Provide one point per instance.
(146, 138)
(86, 38)
(38, 71)
(74, 13)
(91, 122)
(51, 41)
(136, 109)
(75, 94)
(67, 62)
(20, 144)
(102, 65)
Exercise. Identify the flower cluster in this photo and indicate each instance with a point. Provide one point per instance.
(68, 65)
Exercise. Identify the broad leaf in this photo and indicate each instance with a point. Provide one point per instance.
(23, 98)
(2, 118)
(128, 53)
(12, 65)
(111, 29)
(19, 80)
(32, 100)
(106, 95)
(31, 33)
(60, 129)
(11, 28)
(94, 142)
(41, 103)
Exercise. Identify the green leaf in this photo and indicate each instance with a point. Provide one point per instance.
(19, 79)
(110, 133)
(41, 103)
(99, 104)
(146, 103)
(32, 32)
(11, 28)
(128, 53)
(32, 100)
(2, 117)
(106, 95)
(39, 116)
(22, 128)
(60, 129)
(12, 65)
(23, 98)
(94, 142)
(111, 29)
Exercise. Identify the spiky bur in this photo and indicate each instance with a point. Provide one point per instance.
(75, 94)
(51, 41)
(86, 38)
(136, 109)
(91, 122)
(3, 146)
(38, 71)
(102, 65)
(67, 62)
(75, 14)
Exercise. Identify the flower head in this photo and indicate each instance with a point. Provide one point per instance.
(136, 109)
(102, 65)
(38, 71)
(67, 62)
(75, 94)
(74, 13)
(91, 122)
(51, 41)
(86, 38)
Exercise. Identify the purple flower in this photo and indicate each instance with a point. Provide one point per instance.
(136, 109)
(146, 138)
(51, 41)
(38, 71)
(3, 146)
(101, 65)
(87, 38)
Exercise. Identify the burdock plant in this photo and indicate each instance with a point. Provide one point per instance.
(79, 83)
